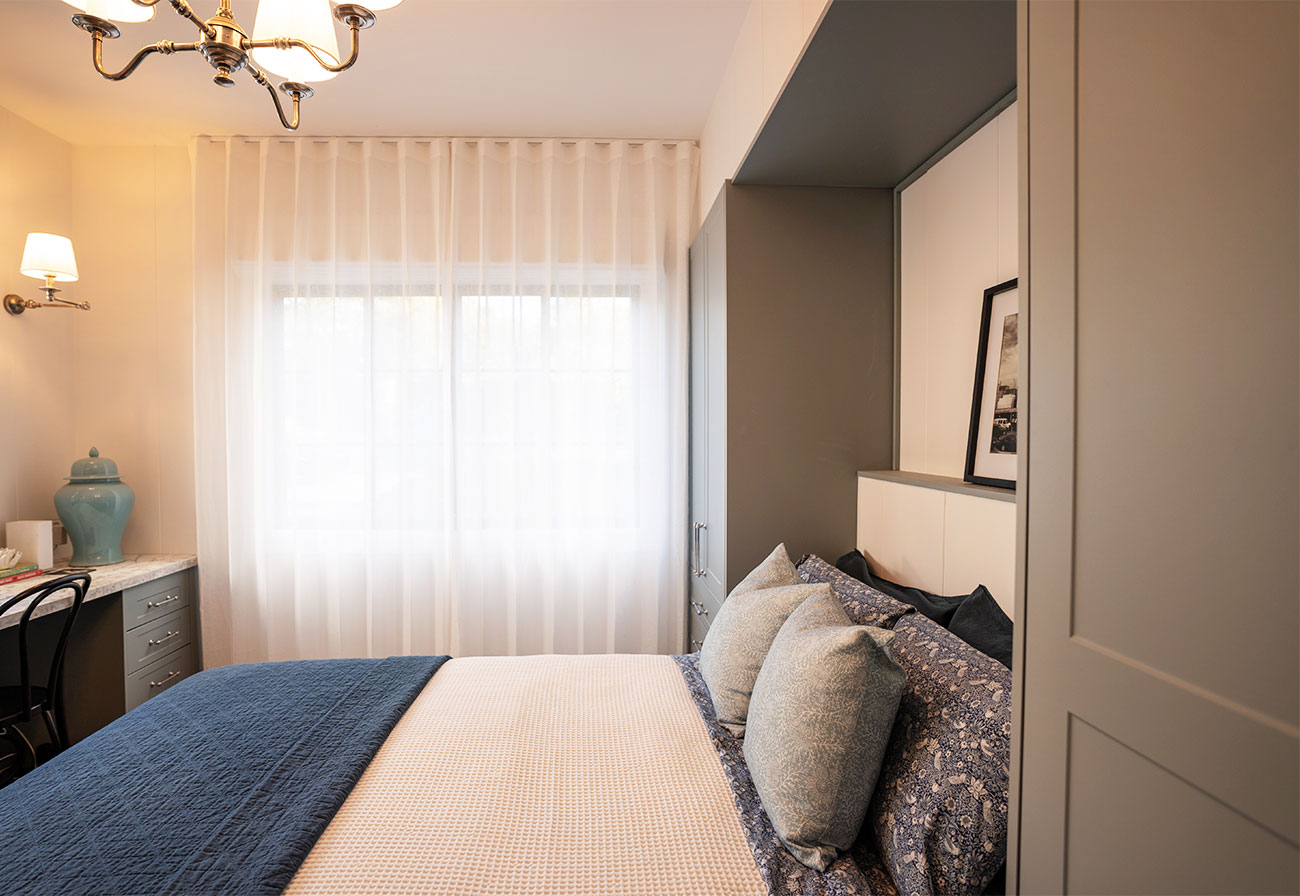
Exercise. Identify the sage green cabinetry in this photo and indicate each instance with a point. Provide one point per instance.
(129, 647)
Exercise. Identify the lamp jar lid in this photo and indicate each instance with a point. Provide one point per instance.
(95, 469)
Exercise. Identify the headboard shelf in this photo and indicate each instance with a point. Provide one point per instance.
(942, 483)
(938, 533)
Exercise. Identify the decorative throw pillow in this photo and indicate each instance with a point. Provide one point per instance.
(775, 571)
(742, 632)
(819, 722)
(938, 820)
(937, 607)
(982, 624)
(864, 605)
(976, 618)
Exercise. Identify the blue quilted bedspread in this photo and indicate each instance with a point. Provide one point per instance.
(221, 784)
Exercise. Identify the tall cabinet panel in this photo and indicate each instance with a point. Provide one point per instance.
(1160, 661)
(707, 549)
(791, 376)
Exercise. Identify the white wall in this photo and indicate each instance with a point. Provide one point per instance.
(133, 390)
(119, 377)
(37, 356)
(959, 237)
(770, 42)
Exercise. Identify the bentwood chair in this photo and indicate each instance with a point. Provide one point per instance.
(26, 701)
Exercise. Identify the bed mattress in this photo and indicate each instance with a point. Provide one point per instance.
(541, 775)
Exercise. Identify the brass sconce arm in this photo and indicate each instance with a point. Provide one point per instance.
(165, 47)
(17, 304)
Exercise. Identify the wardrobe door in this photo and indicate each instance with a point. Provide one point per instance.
(1160, 749)
(708, 424)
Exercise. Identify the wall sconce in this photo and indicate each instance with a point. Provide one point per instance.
(47, 257)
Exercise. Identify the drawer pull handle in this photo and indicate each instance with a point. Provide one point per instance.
(700, 609)
(162, 603)
(164, 639)
(170, 676)
(696, 644)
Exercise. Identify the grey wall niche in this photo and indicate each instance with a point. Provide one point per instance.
(792, 372)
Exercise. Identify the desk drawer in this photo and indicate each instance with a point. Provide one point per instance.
(153, 600)
(158, 638)
(160, 675)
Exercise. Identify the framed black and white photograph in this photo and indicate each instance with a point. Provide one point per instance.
(991, 443)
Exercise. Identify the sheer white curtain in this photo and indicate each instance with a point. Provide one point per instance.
(441, 395)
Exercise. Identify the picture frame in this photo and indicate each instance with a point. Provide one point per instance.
(991, 443)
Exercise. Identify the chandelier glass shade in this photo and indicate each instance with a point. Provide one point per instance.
(294, 39)
(309, 20)
(124, 11)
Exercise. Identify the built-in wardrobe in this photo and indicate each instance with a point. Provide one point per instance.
(1156, 738)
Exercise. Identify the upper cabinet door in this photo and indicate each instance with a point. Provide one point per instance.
(1160, 666)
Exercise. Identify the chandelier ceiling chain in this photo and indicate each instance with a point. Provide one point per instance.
(225, 44)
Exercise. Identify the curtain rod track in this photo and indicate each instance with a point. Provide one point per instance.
(471, 140)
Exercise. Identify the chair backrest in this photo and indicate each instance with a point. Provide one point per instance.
(79, 584)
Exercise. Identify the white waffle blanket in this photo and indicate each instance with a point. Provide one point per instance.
(531, 776)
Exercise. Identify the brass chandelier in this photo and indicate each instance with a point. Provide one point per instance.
(225, 44)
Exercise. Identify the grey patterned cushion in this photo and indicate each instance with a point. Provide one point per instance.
(938, 820)
(819, 721)
(740, 636)
(773, 572)
(864, 604)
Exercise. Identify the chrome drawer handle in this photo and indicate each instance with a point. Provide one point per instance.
(696, 645)
(158, 684)
(164, 639)
(162, 603)
(700, 609)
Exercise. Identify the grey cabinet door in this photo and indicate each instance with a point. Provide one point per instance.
(1160, 663)
(708, 445)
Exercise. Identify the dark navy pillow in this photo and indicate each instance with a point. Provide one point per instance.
(976, 618)
(980, 622)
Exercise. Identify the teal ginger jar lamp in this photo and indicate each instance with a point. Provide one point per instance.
(94, 507)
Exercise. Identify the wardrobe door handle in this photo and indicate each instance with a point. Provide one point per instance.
(698, 566)
(695, 550)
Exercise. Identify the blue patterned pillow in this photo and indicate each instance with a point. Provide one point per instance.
(864, 604)
(938, 819)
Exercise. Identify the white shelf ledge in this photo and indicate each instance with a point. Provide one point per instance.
(942, 483)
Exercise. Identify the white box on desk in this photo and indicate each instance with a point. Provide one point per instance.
(35, 538)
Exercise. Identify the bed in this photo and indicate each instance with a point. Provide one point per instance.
(502, 775)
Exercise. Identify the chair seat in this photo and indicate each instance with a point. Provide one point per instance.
(11, 703)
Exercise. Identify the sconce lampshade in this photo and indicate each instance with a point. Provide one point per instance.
(49, 255)
(114, 10)
(308, 20)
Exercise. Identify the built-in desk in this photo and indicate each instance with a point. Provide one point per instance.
(137, 634)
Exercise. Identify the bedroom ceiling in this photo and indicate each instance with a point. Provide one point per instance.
(537, 68)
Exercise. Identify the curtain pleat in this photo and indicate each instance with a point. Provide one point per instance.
(441, 395)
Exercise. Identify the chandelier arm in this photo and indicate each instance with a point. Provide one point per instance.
(275, 98)
(285, 43)
(164, 47)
